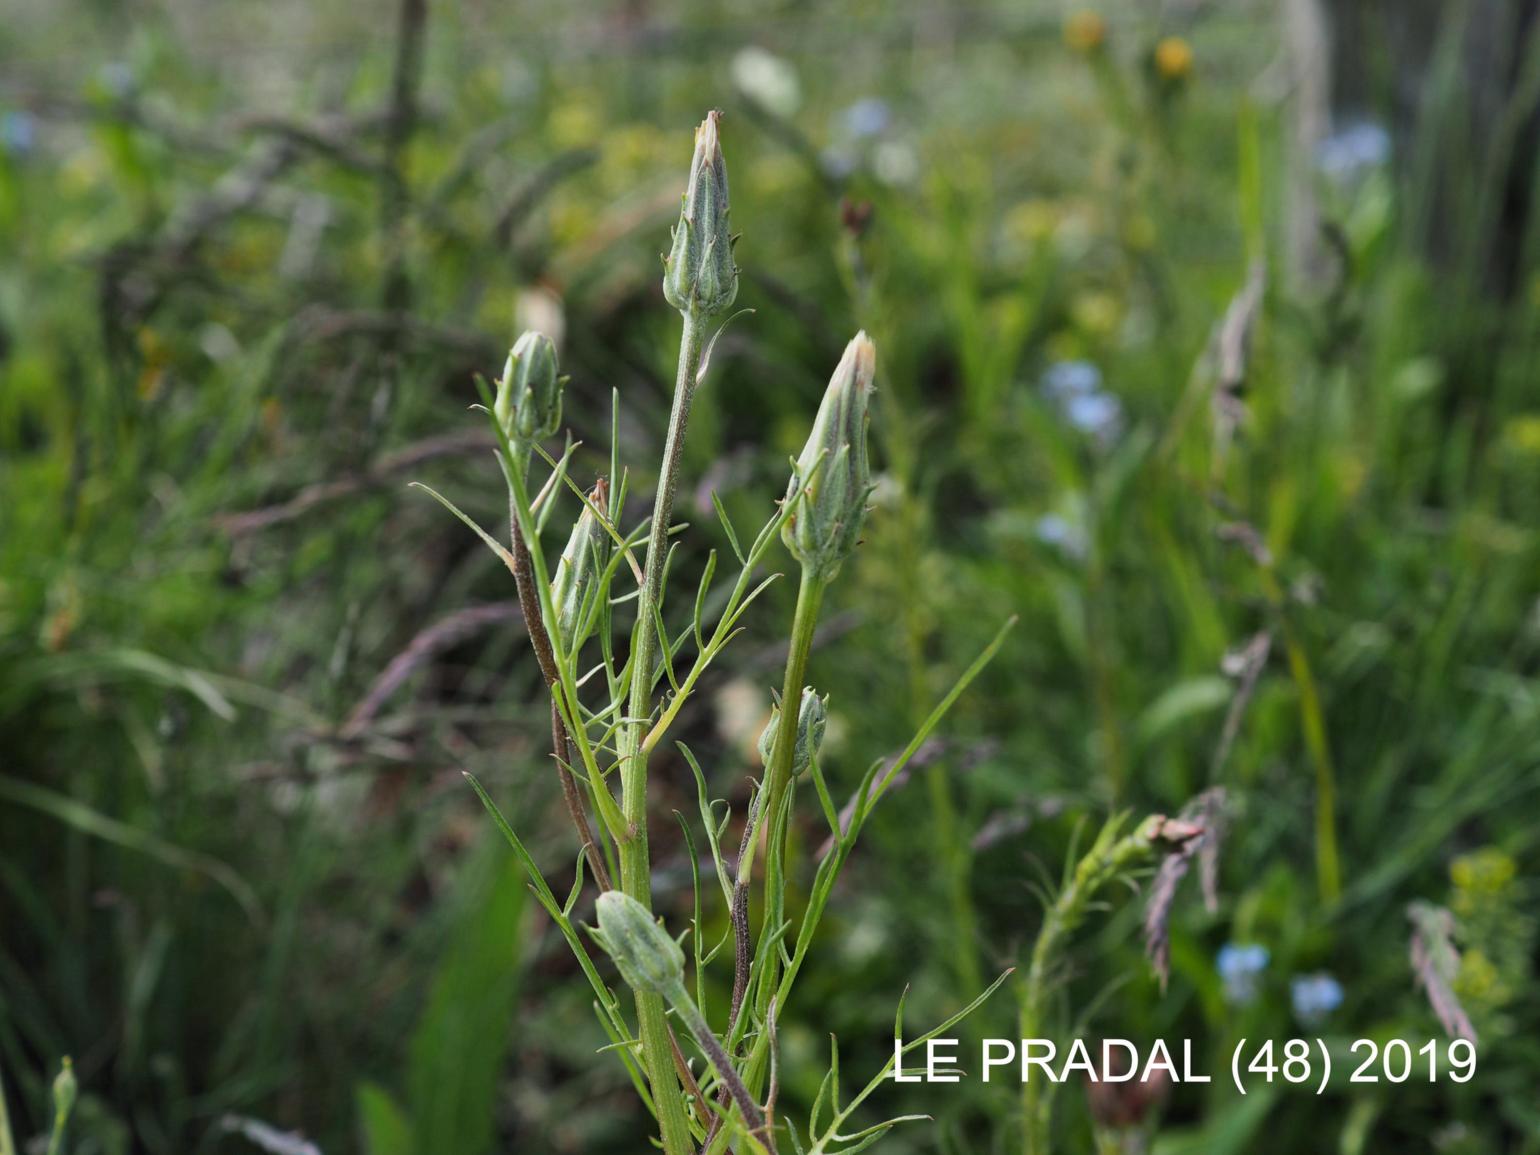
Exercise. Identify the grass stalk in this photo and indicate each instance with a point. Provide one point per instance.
(1328, 866)
(1109, 857)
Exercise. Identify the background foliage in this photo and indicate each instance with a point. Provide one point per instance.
(253, 256)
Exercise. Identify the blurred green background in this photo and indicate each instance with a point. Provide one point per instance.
(1207, 348)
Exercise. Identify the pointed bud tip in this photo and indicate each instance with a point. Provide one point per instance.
(706, 135)
(861, 358)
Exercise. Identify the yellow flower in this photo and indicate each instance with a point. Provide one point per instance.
(1521, 436)
(1096, 313)
(1486, 871)
(1173, 58)
(1085, 31)
(1478, 979)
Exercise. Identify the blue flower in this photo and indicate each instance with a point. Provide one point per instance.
(1240, 966)
(867, 118)
(839, 163)
(1314, 997)
(1075, 388)
(18, 133)
(1057, 531)
(1353, 150)
(1066, 379)
(1099, 414)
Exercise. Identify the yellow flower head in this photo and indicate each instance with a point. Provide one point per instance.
(1085, 31)
(1173, 58)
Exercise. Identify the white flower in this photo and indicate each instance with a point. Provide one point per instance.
(768, 80)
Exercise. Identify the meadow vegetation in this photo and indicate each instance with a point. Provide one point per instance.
(1123, 532)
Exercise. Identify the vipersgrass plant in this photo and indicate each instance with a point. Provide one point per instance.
(608, 717)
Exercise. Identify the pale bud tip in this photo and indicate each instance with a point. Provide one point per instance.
(706, 134)
(862, 353)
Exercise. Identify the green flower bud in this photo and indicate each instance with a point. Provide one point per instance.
(832, 480)
(699, 277)
(65, 1091)
(584, 559)
(644, 953)
(812, 718)
(528, 402)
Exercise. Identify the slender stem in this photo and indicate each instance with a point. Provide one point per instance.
(644, 637)
(1108, 857)
(753, 1117)
(7, 1141)
(778, 780)
(1328, 868)
(635, 866)
(540, 642)
(804, 623)
(771, 802)
(743, 953)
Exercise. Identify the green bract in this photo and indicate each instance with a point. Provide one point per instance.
(832, 479)
(587, 552)
(699, 277)
(528, 403)
(812, 718)
(646, 956)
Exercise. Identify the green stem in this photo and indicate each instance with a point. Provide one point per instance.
(540, 641)
(804, 624)
(711, 1046)
(1107, 859)
(777, 782)
(1328, 868)
(7, 1142)
(635, 866)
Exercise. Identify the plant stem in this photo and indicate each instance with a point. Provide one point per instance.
(540, 642)
(1328, 868)
(778, 780)
(1108, 857)
(635, 866)
(753, 1117)
(7, 1142)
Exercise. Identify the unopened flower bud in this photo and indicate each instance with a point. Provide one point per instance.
(645, 954)
(699, 277)
(584, 559)
(832, 480)
(812, 718)
(65, 1090)
(528, 402)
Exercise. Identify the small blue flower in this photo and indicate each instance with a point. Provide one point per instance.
(18, 133)
(1099, 414)
(1353, 150)
(1314, 997)
(1240, 966)
(1058, 531)
(1075, 388)
(1066, 379)
(867, 118)
(839, 163)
